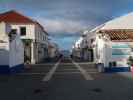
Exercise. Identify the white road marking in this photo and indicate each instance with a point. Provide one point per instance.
(83, 72)
(51, 72)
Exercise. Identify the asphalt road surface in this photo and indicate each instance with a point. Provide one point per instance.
(66, 80)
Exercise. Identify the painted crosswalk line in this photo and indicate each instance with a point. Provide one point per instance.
(51, 72)
(83, 72)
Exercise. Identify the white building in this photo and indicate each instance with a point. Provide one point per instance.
(113, 49)
(81, 47)
(53, 50)
(113, 43)
(11, 50)
(76, 49)
(34, 37)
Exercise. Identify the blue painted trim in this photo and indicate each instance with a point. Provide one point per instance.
(120, 46)
(117, 69)
(5, 69)
(17, 68)
(120, 53)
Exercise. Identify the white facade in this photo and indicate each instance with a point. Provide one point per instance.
(30, 29)
(83, 47)
(16, 50)
(39, 38)
(108, 52)
(76, 50)
(4, 44)
(11, 51)
(53, 50)
(122, 22)
(33, 35)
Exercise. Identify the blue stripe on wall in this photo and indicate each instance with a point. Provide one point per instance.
(117, 69)
(120, 53)
(17, 68)
(120, 46)
(5, 69)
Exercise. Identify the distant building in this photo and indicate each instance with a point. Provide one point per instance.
(76, 49)
(11, 50)
(33, 35)
(81, 49)
(53, 50)
(65, 53)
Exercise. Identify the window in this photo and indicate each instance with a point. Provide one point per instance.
(92, 40)
(22, 31)
(13, 31)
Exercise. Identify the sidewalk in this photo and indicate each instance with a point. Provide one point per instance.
(126, 74)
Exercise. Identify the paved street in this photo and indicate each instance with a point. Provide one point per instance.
(66, 80)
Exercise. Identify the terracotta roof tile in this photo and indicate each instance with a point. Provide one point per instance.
(119, 34)
(15, 17)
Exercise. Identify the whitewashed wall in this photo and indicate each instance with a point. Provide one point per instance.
(4, 30)
(40, 35)
(4, 54)
(34, 32)
(30, 34)
(125, 53)
(122, 22)
(4, 44)
(30, 30)
(99, 53)
(104, 53)
(90, 35)
(42, 42)
(16, 55)
(11, 53)
(52, 52)
(16, 46)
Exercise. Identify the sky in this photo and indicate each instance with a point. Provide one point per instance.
(64, 20)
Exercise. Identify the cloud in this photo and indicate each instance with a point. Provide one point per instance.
(66, 42)
(61, 25)
(88, 12)
(66, 18)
